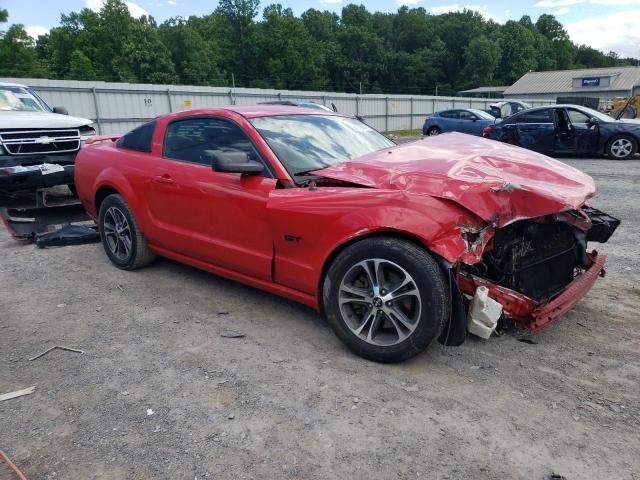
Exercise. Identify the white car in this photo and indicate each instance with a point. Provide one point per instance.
(38, 144)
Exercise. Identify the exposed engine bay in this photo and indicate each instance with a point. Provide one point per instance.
(530, 262)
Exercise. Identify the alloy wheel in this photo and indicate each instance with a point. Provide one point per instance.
(621, 148)
(117, 233)
(379, 302)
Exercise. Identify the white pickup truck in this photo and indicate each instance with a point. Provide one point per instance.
(38, 144)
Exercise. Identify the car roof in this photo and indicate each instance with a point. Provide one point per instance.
(254, 111)
(8, 84)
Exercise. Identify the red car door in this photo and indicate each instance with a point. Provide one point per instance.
(216, 217)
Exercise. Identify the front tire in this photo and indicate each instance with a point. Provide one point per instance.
(434, 131)
(122, 238)
(386, 298)
(622, 147)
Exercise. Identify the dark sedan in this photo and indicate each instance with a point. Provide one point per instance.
(568, 129)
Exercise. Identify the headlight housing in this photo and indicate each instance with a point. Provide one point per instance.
(86, 131)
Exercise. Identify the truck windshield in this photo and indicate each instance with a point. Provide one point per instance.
(305, 143)
(20, 99)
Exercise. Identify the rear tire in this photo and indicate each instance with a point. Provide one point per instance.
(122, 238)
(622, 147)
(386, 298)
(434, 131)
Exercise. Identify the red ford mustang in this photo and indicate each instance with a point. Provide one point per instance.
(389, 242)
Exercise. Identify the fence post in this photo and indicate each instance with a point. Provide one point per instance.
(169, 98)
(95, 105)
(386, 114)
(411, 114)
(357, 105)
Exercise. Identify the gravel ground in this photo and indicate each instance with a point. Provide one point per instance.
(160, 394)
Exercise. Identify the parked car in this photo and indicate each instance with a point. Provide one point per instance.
(507, 108)
(569, 129)
(301, 103)
(465, 120)
(38, 144)
(318, 207)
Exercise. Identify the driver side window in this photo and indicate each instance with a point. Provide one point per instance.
(189, 139)
(576, 116)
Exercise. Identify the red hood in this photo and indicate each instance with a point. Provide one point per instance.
(498, 182)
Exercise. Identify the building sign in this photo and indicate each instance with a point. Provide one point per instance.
(591, 82)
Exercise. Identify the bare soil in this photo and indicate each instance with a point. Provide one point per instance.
(158, 393)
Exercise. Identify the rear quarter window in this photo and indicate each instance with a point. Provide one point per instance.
(138, 139)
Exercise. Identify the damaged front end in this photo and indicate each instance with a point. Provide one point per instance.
(539, 268)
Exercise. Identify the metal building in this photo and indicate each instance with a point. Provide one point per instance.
(602, 83)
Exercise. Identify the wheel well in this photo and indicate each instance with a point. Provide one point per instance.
(340, 248)
(624, 134)
(102, 193)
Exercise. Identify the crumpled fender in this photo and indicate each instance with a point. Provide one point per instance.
(308, 225)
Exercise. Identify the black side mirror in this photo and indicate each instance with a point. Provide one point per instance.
(593, 121)
(60, 110)
(474, 119)
(233, 162)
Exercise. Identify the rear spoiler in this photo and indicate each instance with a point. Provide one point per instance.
(96, 139)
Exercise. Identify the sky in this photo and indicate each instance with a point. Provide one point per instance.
(608, 25)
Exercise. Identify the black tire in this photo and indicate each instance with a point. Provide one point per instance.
(615, 153)
(138, 254)
(434, 131)
(429, 280)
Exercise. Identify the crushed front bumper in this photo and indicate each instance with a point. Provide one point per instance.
(533, 315)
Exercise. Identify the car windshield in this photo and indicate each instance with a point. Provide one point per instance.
(594, 113)
(305, 143)
(20, 99)
(481, 114)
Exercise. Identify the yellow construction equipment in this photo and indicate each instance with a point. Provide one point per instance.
(625, 107)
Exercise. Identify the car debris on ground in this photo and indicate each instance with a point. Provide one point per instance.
(56, 347)
(17, 393)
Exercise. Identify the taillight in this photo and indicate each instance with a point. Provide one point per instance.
(486, 131)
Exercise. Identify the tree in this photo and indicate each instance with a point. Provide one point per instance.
(410, 51)
(518, 52)
(80, 67)
(18, 57)
(144, 57)
(482, 58)
(197, 61)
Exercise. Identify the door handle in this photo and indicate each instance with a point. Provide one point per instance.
(165, 179)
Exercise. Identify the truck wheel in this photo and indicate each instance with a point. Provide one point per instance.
(386, 298)
(121, 237)
(622, 147)
(434, 131)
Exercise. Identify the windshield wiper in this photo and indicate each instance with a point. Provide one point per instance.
(307, 172)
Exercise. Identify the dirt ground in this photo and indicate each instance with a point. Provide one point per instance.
(158, 393)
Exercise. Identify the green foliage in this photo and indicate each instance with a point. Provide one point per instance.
(18, 57)
(410, 51)
(80, 67)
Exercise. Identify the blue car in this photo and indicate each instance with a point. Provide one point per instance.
(465, 120)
